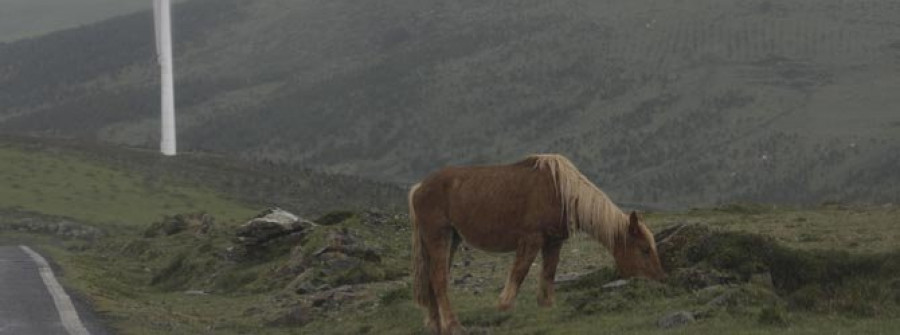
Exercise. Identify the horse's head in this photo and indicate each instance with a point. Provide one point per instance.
(637, 257)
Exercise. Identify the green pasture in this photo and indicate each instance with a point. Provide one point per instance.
(67, 185)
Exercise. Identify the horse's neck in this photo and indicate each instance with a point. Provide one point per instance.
(619, 222)
(608, 229)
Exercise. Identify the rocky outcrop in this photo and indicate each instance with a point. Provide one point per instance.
(342, 258)
(674, 243)
(270, 225)
(696, 256)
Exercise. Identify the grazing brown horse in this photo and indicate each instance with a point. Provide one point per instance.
(529, 206)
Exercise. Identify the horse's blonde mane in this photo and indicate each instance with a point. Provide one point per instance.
(589, 209)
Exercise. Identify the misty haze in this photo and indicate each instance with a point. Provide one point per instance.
(706, 166)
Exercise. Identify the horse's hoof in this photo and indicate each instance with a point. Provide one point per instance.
(505, 306)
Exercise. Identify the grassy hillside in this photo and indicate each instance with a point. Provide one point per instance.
(349, 274)
(67, 185)
(676, 104)
(101, 184)
(143, 279)
(187, 283)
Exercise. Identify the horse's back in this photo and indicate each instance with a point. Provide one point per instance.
(501, 201)
(479, 182)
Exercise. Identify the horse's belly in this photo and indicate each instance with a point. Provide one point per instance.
(484, 237)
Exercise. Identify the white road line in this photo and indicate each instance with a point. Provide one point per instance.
(67, 313)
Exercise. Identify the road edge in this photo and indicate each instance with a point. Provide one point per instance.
(67, 313)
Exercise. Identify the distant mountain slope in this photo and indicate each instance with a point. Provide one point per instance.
(669, 103)
(31, 18)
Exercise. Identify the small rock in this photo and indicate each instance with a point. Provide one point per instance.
(462, 280)
(278, 215)
(304, 288)
(704, 313)
(320, 301)
(676, 319)
(195, 292)
(615, 284)
(565, 278)
(720, 300)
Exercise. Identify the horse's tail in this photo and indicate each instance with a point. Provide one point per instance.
(421, 284)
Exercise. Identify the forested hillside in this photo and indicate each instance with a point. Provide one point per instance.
(665, 103)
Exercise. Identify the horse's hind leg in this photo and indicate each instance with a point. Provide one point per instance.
(433, 322)
(439, 241)
(550, 259)
(525, 254)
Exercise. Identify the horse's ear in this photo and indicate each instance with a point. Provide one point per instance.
(634, 225)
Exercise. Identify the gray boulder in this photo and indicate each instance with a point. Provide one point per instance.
(271, 224)
(676, 319)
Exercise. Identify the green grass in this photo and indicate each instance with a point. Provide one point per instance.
(139, 283)
(478, 314)
(117, 275)
(851, 228)
(67, 185)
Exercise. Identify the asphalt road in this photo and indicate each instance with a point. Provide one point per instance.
(27, 306)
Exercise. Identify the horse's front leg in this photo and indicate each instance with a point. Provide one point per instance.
(525, 254)
(550, 256)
